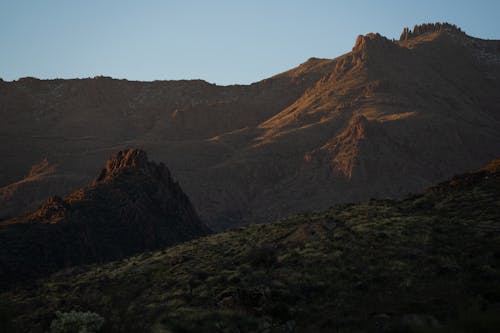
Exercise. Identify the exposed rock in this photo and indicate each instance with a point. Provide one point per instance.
(371, 41)
(131, 160)
(426, 28)
(44, 178)
(133, 206)
(284, 145)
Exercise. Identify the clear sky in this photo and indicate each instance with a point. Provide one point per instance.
(223, 42)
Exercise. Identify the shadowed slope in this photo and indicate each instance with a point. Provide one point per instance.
(132, 206)
(380, 266)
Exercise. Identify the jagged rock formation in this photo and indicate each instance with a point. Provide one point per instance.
(421, 29)
(387, 118)
(133, 205)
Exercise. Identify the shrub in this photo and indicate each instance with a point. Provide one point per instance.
(74, 321)
(264, 257)
(5, 317)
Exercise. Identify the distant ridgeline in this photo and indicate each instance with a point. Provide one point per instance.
(421, 29)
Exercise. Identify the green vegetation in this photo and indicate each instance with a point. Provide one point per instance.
(76, 322)
(430, 263)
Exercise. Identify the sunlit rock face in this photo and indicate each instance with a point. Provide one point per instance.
(388, 118)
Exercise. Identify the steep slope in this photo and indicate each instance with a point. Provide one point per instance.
(430, 261)
(415, 110)
(31, 191)
(386, 119)
(132, 206)
(389, 118)
(78, 123)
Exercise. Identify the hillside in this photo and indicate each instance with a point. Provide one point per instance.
(429, 263)
(384, 120)
(133, 205)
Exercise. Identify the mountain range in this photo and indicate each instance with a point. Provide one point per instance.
(292, 208)
(389, 118)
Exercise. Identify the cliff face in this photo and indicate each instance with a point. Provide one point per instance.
(133, 205)
(387, 118)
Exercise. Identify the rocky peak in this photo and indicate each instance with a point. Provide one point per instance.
(421, 29)
(133, 205)
(53, 210)
(373, 47)
(130, 160)
(371, 41)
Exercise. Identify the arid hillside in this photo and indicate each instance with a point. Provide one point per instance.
(133, 206)
(386, 119)
(429, 263)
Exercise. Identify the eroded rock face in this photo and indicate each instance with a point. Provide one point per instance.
(388, 118)
(133, 206)
(371, 41)
(426, 28)
(129, 160)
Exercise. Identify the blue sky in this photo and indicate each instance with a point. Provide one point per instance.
(223, 42)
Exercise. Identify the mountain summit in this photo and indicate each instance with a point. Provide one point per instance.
(427, 28)
(387, 118)
(134, 205)
(130, 161)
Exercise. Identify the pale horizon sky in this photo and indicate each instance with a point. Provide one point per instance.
(222, 42)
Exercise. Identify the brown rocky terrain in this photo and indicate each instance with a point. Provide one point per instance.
(386, 119)
(132, 206)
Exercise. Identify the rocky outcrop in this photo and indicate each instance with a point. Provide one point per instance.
(133, 206)
(371, 41)
(426, 28)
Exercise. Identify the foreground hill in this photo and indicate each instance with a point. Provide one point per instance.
(386, 119)
(428, 262)
(132, 206)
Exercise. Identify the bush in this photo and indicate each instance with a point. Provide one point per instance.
(74, 321)
(263, 257)
(6, 317)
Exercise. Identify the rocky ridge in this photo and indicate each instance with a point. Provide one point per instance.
(133, 206)
(386, 119)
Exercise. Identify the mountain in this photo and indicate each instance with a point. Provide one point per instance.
(132, 206)
(386, 119)
(31, 191)
(429, 263)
